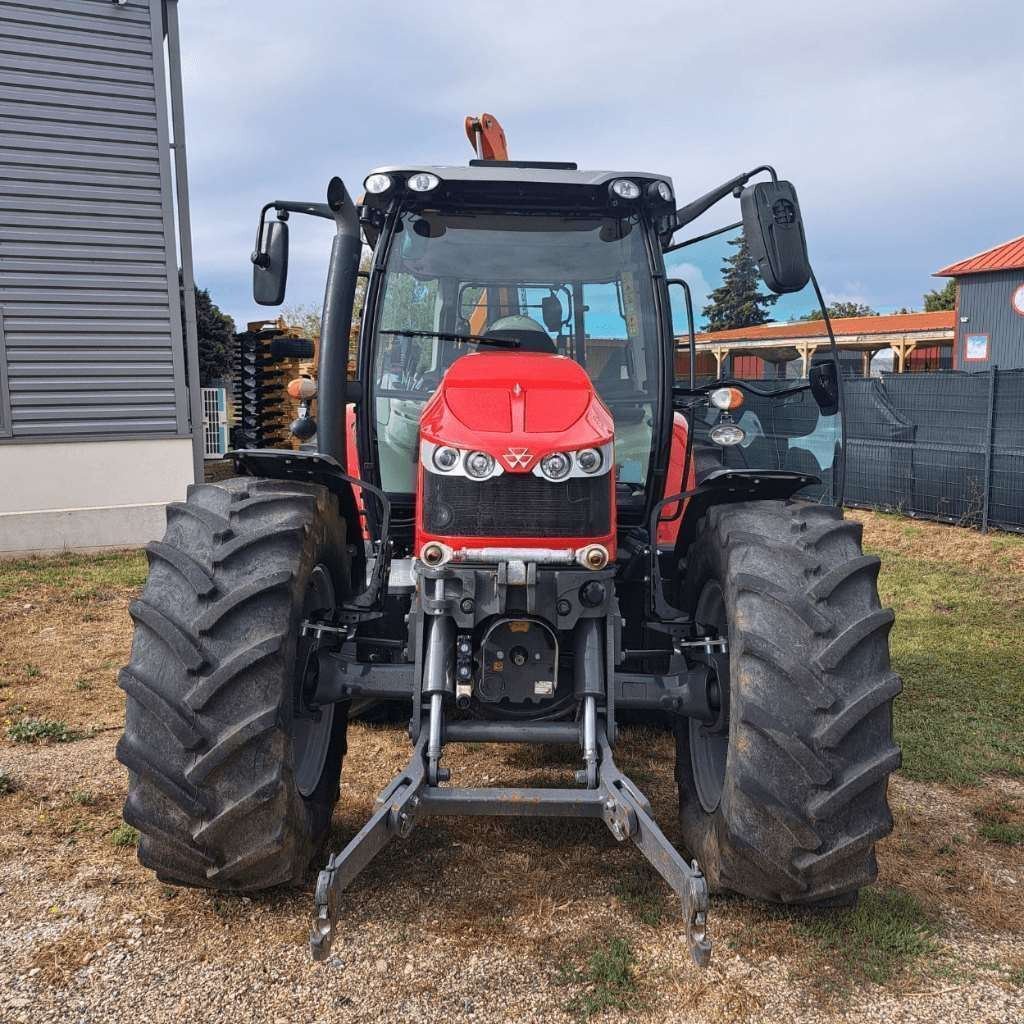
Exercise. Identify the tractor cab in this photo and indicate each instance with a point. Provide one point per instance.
(505, 261)
(526, 268)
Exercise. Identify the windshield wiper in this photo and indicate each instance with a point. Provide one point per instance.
(476, 339)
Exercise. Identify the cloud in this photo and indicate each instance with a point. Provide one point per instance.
(895, 121)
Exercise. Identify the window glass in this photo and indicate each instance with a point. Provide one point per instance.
(584, 281)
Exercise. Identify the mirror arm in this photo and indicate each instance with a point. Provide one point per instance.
(259, 257)
(691, 211)
(284, 207)
(703, 238)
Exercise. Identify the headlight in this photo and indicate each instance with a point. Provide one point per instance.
(589, 460)
(726, 398)
(479, 465)
(377, 183)
(556, 466)
(727, 434)
(626, 189)
(446, 459)
(423, 181)
(660, 190)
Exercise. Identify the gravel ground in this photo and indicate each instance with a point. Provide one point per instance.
(467, 920)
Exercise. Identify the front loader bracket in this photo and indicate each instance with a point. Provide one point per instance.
(614, 798)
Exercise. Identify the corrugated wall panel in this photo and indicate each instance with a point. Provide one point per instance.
(90, 315)
(986, 302)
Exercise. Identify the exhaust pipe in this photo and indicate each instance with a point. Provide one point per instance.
(339, 296)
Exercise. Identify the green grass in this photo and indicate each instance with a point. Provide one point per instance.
(83, 684)
(998, 832)
(958, 643)
(1001, 821)
(83, 576)
(36, 730)
(82, 797)
(7, 783)
(882, 934)
(607, 980)
(643, 893)
(124, 835)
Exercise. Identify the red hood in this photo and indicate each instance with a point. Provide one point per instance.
(494, 400)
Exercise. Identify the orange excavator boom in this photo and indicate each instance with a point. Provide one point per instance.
(486, 137)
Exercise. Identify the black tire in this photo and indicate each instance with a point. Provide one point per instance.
(215, 753)
(808, 744)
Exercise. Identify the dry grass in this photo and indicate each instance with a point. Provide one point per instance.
(523, 907)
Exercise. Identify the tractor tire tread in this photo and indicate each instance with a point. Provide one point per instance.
(811, 749)
(207, 734)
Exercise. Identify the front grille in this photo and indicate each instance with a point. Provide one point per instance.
(516, 505)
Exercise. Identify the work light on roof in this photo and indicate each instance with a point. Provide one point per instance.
(423, 181)
(377, 183)
(626, 189)
(660, 190)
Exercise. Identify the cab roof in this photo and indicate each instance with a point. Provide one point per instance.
(512, 182)
(538, 172)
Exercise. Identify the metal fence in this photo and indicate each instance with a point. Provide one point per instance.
(944, 445)
(941, 444)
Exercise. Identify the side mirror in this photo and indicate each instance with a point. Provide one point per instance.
(824, 380)
(270, 265)
(775, 235)
(551, 311)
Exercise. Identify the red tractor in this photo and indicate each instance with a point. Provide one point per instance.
(519, 520)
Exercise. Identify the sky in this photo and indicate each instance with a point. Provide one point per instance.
(898, 121)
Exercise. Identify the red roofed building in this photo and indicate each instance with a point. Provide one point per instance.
(916, 339)
(990, 307)
(985, 329)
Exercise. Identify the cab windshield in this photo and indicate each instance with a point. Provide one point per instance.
(584, 280)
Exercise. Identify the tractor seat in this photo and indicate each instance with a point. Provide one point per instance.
(531, 335)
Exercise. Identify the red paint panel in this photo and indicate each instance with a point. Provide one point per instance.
(481, 408)
(543, 414)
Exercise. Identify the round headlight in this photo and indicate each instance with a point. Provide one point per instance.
(589, 460)
(377, 183)
(626, 189)
(726, 398)
(446, 459)
(727, 434)
(662, 190)
(479, 465)
(556, 465)
(423, 181)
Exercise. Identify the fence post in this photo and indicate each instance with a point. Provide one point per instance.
(989, 444)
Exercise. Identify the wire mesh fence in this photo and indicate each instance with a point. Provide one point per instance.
(942, 444)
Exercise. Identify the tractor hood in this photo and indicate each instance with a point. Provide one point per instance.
(505, 402)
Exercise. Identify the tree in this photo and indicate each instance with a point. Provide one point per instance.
(738, 302)
(306, 319)
(309, 319)
(215, 332)
(941, 298)
(838, 310)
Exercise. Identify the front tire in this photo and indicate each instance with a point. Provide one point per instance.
(787, 801)
(230, 786)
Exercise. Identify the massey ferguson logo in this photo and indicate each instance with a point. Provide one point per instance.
(518, 457)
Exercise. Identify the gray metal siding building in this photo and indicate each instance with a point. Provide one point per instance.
(96, 402)
(985, 306)
(990, 308)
